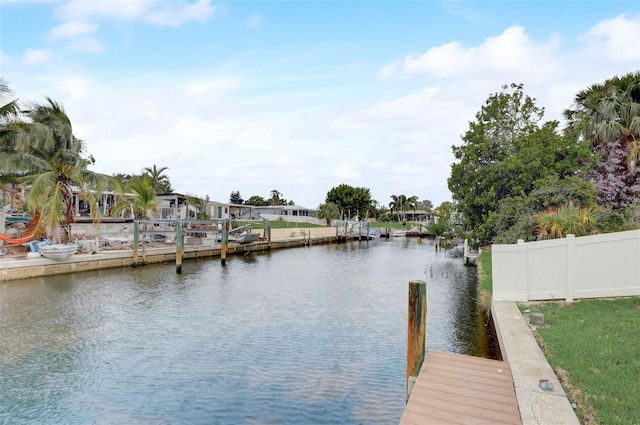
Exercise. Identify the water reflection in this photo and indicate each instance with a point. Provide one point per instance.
(310, 335)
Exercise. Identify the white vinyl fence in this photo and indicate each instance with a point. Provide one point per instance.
(571, 268)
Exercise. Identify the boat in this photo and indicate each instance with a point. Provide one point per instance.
(240, 235)
(366, 231)
(398, 233)
(244, 237)
(374, 232)
(58, 251)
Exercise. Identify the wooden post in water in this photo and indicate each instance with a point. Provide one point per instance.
(2, 219)
(225, 243)
(179, 247)
(136, 238)
(269, 235)
(416, 330)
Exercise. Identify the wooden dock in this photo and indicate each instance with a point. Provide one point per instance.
(457, 389)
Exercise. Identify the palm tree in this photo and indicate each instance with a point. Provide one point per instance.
(412, 204)
(140, 199)
(10, 110)
(609, 112)
(50, 160)
(9, 121)
(159, 181)
(143, 202)
(568, 219)
(397, 204)
(275, 197)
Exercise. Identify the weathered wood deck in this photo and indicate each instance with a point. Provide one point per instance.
(457, 389)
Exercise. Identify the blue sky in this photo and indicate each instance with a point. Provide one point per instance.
(301, 96)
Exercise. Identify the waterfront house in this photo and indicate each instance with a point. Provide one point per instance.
(294, 213)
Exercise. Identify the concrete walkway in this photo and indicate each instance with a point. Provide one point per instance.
(529, 366)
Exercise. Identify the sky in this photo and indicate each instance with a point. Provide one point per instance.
(302, 96)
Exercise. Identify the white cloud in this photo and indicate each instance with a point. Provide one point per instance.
(508, 53)
(409, 107)
(177, 14)
(388, 71)
(89, 45)
(83, 10)
(156, 12)
(73, 29)
(36, 57)
(303, 132)
(619, 38)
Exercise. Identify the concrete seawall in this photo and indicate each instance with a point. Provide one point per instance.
(530, 368)
(22, 268)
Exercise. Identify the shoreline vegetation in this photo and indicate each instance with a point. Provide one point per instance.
(593, 345)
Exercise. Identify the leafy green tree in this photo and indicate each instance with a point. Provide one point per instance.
(257, 201)
(504, 153)
(159, 180)
(478, 180)
(125, 179)
(515, 217)
(425, 205)
(329, 211)
(443, 225)
(350, 200)
(235, 198)
(383, 213)
(200, 204)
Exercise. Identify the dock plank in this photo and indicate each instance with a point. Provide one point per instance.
(457, 389)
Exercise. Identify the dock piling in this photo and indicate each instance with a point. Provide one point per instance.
(136, 237)
(416, 330)
(179, 247)
(225, 243)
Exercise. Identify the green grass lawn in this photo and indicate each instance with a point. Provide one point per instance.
(594, 347)
(485, 282)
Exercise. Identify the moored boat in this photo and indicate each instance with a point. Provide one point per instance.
(244, 237)
(398, 232)
(58, 251)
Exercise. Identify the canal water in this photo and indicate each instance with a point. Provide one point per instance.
(313, 335)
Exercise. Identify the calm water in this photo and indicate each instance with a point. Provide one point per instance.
(312, 335)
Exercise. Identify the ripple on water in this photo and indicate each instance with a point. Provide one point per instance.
(301, 336)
